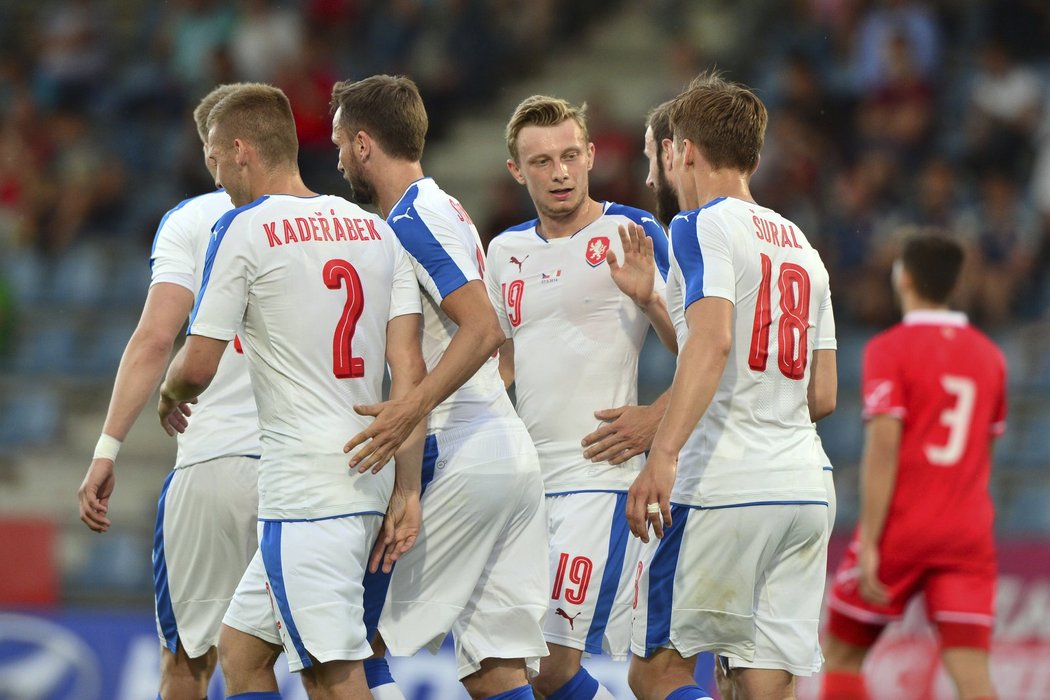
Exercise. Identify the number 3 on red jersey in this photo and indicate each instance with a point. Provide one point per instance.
(792, 341)
(335, 273)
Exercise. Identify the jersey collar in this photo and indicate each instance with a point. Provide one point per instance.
(927, 317)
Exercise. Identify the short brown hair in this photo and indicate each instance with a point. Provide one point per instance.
(725, 120)
(541, 110)
(933, 261)
(261, 115)
(207, 104)
(659, 120)
(389, 108)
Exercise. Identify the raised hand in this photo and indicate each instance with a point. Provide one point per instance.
(636, 273)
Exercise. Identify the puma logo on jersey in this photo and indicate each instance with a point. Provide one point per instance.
(562, 613)
(406, 215)
(650, 219)
(519, 263)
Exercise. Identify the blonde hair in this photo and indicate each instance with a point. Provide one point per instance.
(725, 120)
(541, 110)
(207, 104)
(261, 115)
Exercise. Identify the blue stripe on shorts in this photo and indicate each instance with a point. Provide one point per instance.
(161, 590)
(619, 534)
(270, 547)
(661, 581)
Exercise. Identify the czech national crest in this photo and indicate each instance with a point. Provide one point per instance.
(597, 250)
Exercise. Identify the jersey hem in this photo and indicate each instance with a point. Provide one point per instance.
(319, 518)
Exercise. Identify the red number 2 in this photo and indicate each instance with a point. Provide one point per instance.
(344, 364)
(792, 341)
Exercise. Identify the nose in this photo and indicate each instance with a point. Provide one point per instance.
(649, 181)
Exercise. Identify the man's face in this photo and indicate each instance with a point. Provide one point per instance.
(222, 162)
(657, 179)
(553, 162)
(361, 189)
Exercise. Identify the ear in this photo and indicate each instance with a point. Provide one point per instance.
(362, 145)
(590, 156)
(515, 171)
(665, 153)
(240, 151)
(758, 162)
(690, 153)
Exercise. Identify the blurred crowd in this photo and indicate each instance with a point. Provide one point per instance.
(885, 115)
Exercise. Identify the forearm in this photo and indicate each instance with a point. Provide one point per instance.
(656, 312)
(468, 350)
(178, 386)
(408, 459)
(140, 371)
(700, 367)
(878, 475)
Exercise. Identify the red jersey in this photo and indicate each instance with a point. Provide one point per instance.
(946, 382)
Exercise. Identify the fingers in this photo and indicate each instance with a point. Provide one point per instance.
(93, 512)
(625, 454)
(386, 536)
(368, 409)
(598, 435)
(356, 440)
(636, 519)
(610, 414)
(614, 263)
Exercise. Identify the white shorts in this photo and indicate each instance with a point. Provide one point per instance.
(303, 589)
(829, 486)
(593, 561)
(479, 566)
(204, 538)
(745, 582)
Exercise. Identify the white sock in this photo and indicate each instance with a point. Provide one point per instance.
(389, 691)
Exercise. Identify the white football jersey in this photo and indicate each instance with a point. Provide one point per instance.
(225, 422)
(755, 443)
(576, 337)
(313, 281)
(446, 253)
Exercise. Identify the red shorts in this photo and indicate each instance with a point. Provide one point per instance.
(960, 600)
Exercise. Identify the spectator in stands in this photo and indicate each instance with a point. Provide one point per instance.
(1006, 101)
(265, 37)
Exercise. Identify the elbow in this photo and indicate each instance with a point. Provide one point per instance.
(492, 337)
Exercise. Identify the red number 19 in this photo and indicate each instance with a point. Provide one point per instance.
(344, 364)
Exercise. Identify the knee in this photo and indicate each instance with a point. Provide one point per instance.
(551, 677)
(639, 679)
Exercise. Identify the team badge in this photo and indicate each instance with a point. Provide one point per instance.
(597, 250)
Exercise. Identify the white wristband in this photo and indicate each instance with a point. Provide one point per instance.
(107, 447)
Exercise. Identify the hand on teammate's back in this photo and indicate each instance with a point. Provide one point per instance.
(174, 415)
(636, 274)
(627, 431)
(394, 421)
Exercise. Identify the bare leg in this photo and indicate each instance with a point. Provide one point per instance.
(654, 678)
(496, 676)
(557, 669)
(183, 678)
(763, 684)
(247, 662)
(336, 680)
(968, 668)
